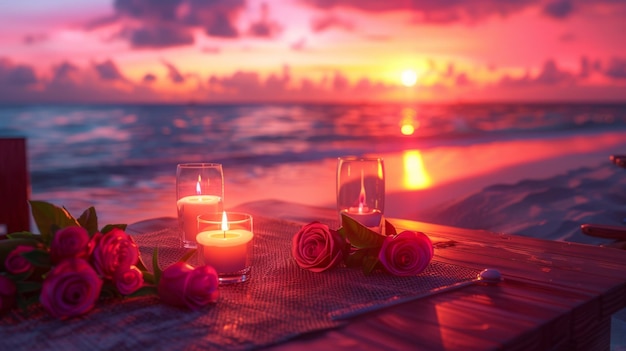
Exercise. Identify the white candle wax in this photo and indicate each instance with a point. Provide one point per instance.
(226, 251)
(365, 216)
(190, 207)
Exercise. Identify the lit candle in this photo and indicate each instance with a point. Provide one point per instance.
(225, 250)
(363, 214)
(190, 207)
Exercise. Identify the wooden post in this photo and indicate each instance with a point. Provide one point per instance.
(14, 186)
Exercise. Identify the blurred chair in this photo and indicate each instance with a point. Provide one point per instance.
(14, 186)
(617, 233)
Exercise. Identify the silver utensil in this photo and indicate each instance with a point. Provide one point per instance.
(487, 276)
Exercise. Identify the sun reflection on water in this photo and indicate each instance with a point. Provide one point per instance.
(415, 175)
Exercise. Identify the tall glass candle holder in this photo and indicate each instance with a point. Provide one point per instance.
(199, 189)
(361, 189)
(225, 243)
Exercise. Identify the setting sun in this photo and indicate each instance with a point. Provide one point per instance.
(407, 129)
(409, 78)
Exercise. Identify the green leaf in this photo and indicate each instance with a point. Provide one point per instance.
(89, 221)
(24, 301)
(22, 235)
(390, 230)
(28, 286)
(360, 236)
(49, 218)
(109, 290)
(148, 278)
(155, 266)
(39, 258)
(369, 264)
(355, 259)
(107, 228)
(141, 265)
(342, 233)
(21, 276)
(146, 290)
(188, 255)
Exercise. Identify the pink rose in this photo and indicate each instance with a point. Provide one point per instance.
(129, 280)
(70, 242)
(407, 253)
(183, 286)
(114, 250)
(317, 248)
(15, 263)
(7, 294)
(71, 288)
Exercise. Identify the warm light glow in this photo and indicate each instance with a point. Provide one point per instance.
(198, 187)
(409, 78)
(407, 129)
(415, 174)
(362, 193)
(409, 124)
(224, 221)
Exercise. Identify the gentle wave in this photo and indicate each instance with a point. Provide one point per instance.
(97, 145)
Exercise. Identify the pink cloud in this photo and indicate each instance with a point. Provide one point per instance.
(173, 73)
(616, 68)
(19, 76)
(68, 83)
(31, 39)
(551, 74)
(65, 72)
(559, 8)
(298, 45)
(149, 78)
(171, 23)
(157, 36)
(264, 27)
(108, 70)
(462, 80)
(430, 11)
(104, 82)
(327, 22)
(340, 82)
(445, 12)
(211, 50)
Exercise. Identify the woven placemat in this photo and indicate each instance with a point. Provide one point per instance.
(279, 302)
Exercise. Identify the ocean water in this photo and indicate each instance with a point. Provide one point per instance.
(123, 157)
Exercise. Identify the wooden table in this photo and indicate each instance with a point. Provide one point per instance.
(554, 296)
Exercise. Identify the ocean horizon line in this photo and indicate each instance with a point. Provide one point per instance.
(407, 103)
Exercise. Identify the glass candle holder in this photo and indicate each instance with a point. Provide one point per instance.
(225, 243)
(361, 189)
(199, 189)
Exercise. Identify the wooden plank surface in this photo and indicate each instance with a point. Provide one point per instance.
(555, 296)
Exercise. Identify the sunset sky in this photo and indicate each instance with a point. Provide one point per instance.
(312, 50)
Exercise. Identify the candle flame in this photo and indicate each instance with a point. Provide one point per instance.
(198, 187)
(224, 222)
(362, 194)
